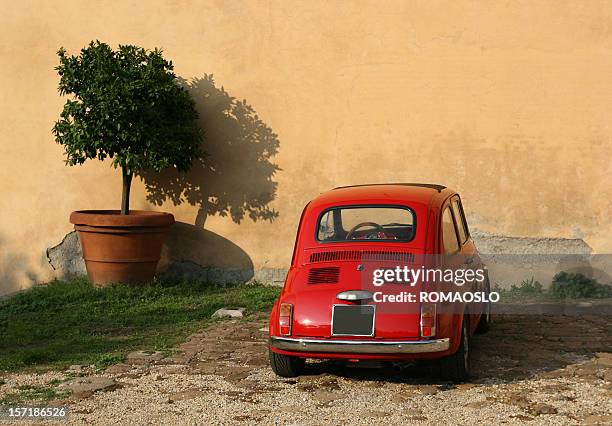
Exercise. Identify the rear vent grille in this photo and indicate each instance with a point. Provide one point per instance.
(323, 275)
(360, 255)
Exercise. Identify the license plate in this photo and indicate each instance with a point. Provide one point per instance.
(353, 320)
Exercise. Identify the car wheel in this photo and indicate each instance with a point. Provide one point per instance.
(485, 318)
(285, 365)
(456, 367)
(485, 321)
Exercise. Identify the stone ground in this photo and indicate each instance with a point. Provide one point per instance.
(538, 370)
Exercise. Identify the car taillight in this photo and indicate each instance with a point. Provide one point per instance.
(428, 320)
(285, 314)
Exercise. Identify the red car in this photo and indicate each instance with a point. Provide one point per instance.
(354, 290)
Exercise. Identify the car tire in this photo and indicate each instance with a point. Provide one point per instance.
(456, 367)
(285, 365)
(485, 321)
(485, 318)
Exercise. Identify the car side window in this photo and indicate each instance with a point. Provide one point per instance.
(449, 234)
(461, 228)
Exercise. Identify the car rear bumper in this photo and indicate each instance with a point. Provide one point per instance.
(360, 346)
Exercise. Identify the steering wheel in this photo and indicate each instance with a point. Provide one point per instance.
(354, 229)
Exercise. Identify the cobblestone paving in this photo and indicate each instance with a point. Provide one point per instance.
(528, 369)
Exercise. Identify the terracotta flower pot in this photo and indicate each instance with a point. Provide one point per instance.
(121, 248)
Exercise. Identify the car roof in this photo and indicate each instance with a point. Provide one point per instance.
(384, 192)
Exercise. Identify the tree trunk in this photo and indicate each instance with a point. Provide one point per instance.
(125, 195)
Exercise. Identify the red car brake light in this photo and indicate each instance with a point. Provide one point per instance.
(428, 320)
(285, 318)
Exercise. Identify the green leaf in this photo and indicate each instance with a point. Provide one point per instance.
(128, 105)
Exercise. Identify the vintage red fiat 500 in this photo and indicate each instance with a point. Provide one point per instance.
(354, 290)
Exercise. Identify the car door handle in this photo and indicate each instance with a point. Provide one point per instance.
(353, 295)
(469, 260)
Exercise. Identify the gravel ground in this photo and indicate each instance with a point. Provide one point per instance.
(547, 370)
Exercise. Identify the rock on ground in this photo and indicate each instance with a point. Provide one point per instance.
(144, 357)
(89, 384)
(229, 313)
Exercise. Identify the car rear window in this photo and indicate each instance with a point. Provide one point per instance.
(371, 223)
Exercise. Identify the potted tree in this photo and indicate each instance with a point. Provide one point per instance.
(125, 105)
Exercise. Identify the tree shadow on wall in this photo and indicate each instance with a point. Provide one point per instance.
(197, 254)
(235, 178)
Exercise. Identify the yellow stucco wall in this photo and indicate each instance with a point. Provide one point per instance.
(507, 102)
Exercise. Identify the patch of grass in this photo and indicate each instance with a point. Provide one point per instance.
(529, 287)
(108, 359)
(565, 285)
(170, 352)
(70, 322)
(55, 382)
(33, 394)
(568, 285)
